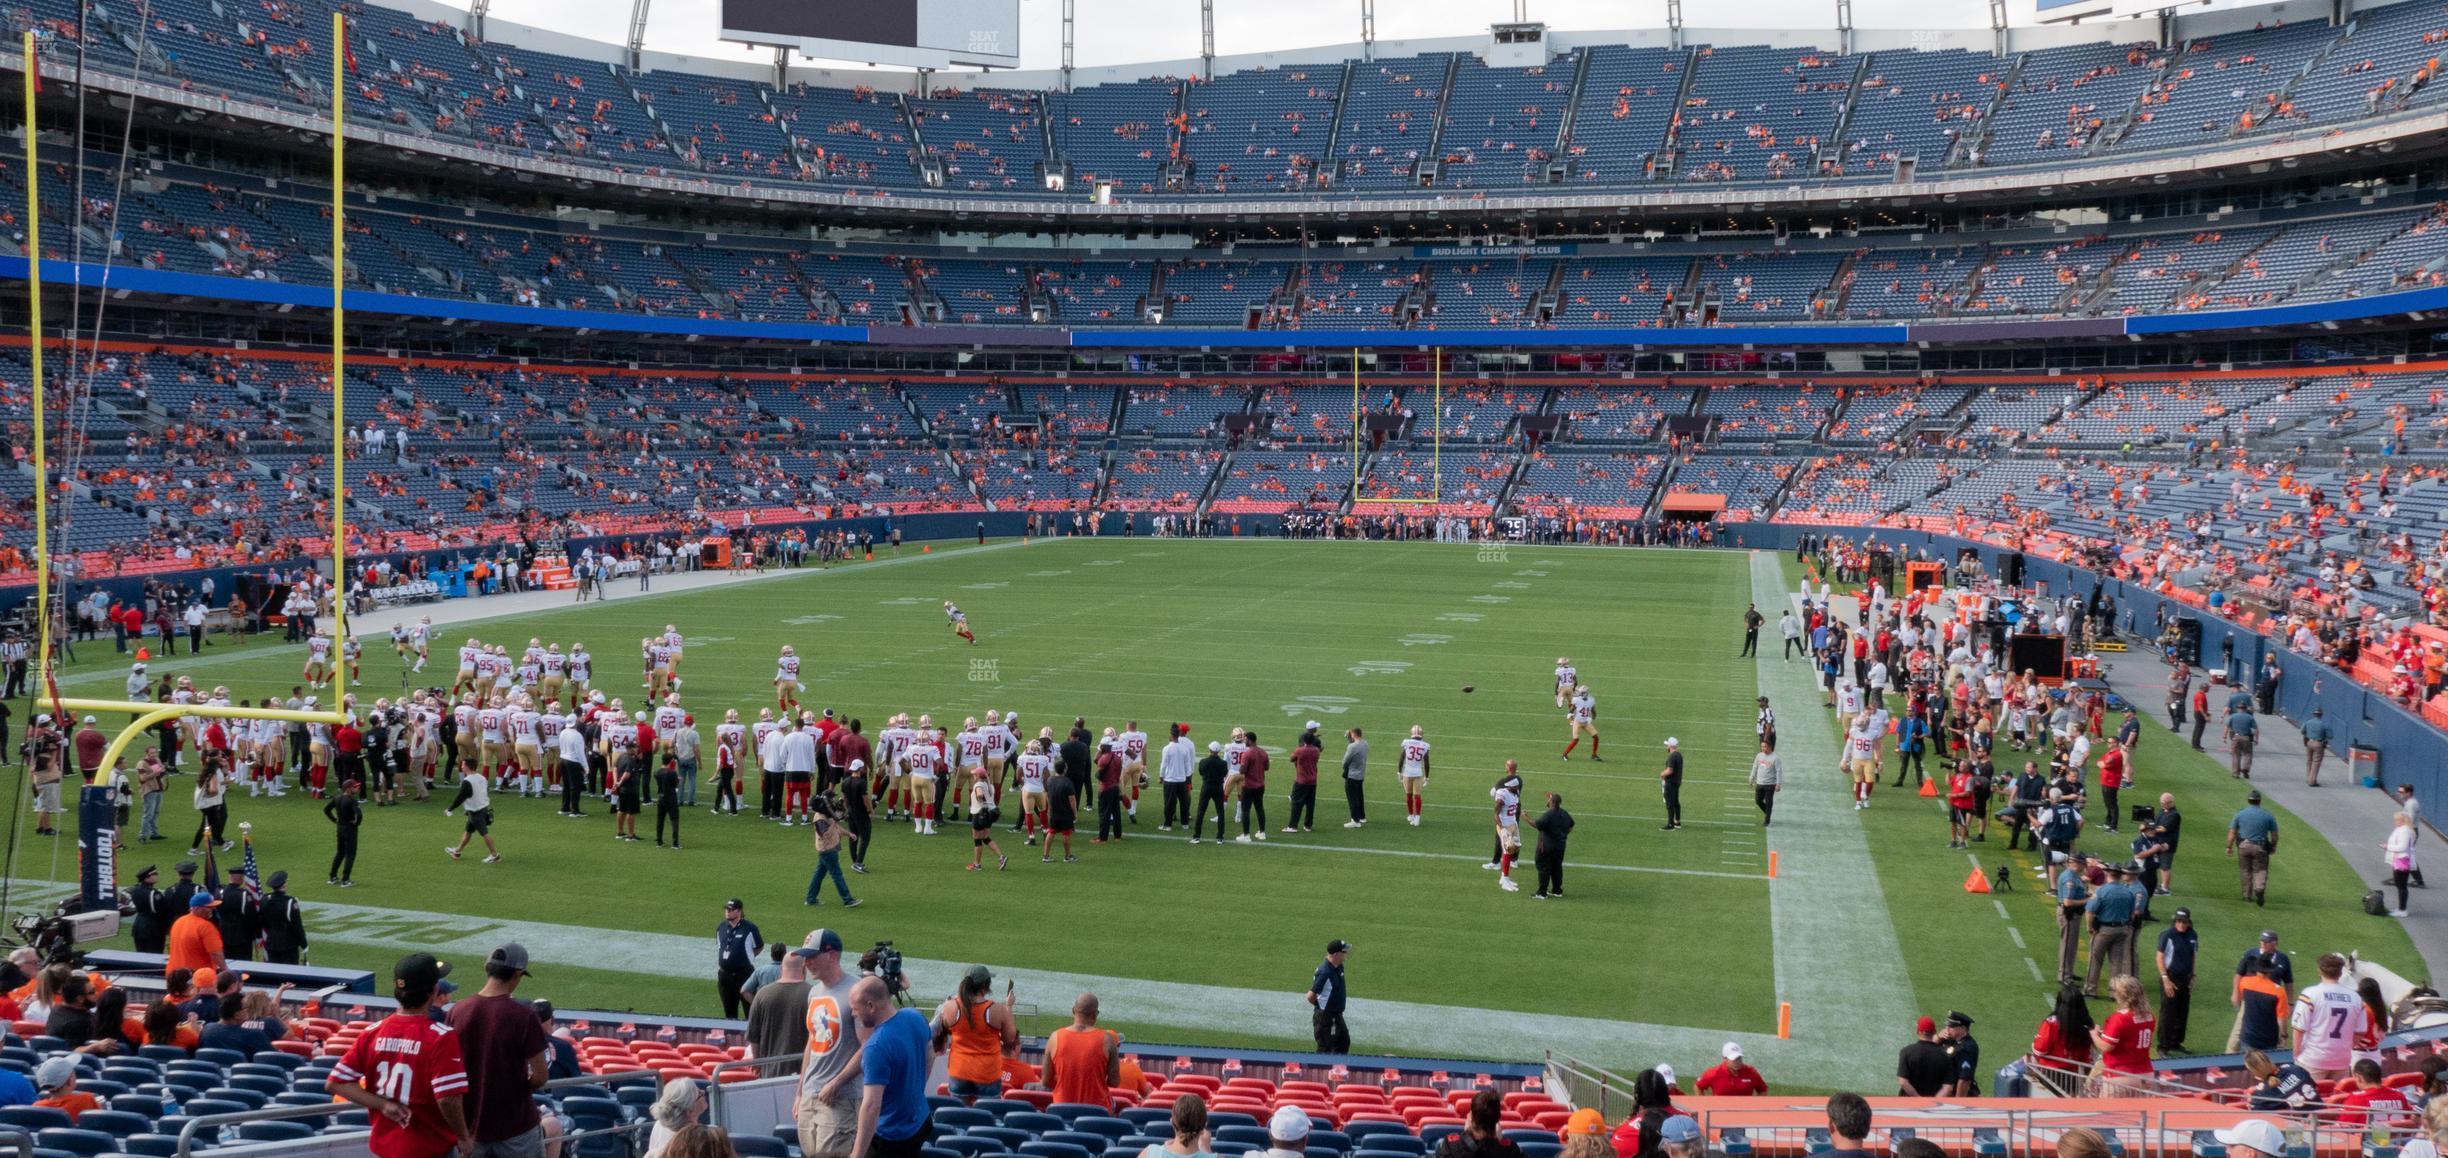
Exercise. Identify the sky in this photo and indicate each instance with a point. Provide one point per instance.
(1130, 31)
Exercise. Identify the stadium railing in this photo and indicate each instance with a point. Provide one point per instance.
(1586, 1085)
(754, 1105)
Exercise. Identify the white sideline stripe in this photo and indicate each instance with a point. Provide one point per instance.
(1418, 855)
(1378, 1025)
(1835, 941)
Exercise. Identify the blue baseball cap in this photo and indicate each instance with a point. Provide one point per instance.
(1680, 1128)
(202, 901)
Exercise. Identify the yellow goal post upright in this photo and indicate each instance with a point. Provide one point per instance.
(1436, 455)
(96, 830)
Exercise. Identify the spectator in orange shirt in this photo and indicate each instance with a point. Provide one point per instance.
(195, 941)
(1082, 1062)
(1731, 1078)
(55, 1079)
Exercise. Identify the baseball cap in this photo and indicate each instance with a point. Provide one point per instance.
(733, 903)
(543, 1010)
(2184, 914)
(418, 970)
(1585, 1120)
(1732, 1050)
(1680, 1128)
(89, 719)
(509, 956)
(1925, 1025)
(202, 900)
(2253, 797)
(858, 765)
(54, 1072)
(1289, 1124)
(2269, 934)
(1215, 745)
(1313, 724)
(1667, 1072)
(1338, 945)
(2254, 1134)
(1671, 742)
(819, 941)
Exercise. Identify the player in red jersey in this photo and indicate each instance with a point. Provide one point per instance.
(407, 1072)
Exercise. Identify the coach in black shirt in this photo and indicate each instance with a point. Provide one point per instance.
(1670, 779)
(1075, 756)
(1211, 773)
(1553, 826)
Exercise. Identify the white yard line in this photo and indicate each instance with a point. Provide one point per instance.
(1837, 957)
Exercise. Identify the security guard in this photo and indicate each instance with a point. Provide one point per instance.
(2059, 826)
(175, 897)
(737, 945)
(2252, 835)
(153, 912)
(284, 923)
(2179, 946)
(1956, 1039)
(2073, 894)
(2111, 912)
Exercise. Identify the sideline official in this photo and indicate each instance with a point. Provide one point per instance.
(1355, 773)
(1553, 825)
(1326, 999)
(1174, 767)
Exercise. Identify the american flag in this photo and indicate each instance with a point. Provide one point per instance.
(254, 883)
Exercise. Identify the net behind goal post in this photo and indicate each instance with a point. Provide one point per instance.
(1363, 437)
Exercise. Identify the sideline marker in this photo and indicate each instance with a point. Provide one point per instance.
(1977, 883)
(1772, 864)
(1784, 1021)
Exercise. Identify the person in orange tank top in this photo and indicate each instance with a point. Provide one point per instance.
(976, 1033)
(1083, 1062)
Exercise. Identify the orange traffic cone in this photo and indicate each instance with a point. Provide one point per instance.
(1929, 788)
(1978, 882)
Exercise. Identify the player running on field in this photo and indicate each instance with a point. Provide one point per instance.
(1566, 678)
(1414, 772)
(1582, 717)
(960, 622)
(786, 681)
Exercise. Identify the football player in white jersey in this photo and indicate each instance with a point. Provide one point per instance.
(769, 770)
(1582, 718)
(924, 759)
(399, 641)
(467, 665)
(555, 673)
(667, 720)
(420, 639)
(660, 678)
(492, 735)
(960, 622)
(786, 680)
(1035, 766)
(999, 746)
(1566, 678)
(1507, 794)
(352, 650)
(581, 671)
(1132, 743)
(1414, 772)
(730, 739)
(1234, 749)
(318, 669)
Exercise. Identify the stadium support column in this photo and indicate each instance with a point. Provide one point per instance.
(1368, 28)
(1844, 26)
(1997, 25)
(1207, 39)
(1070, 15)
(1674, 24)
(781, 66)
(637, 33)
(476, 17)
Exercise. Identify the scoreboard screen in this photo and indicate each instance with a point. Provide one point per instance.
(916, 33)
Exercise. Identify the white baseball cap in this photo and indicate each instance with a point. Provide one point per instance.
(2254, 1134)
(1732, 1050)
(1671, 742)
(1313, 725)
(1215, 745)
(1667, 1072)
(858, 765)
(1290, 1124)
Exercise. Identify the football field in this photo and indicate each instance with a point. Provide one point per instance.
(1668, 942)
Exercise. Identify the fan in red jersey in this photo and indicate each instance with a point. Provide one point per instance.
(407, 1072)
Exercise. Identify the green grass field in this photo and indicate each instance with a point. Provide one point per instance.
(1667, 940)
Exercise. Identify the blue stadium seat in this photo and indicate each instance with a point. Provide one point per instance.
(2207, 1145)
(1222, 1118)
(193, 1066)
(971, 1145)
(82, 1142)
(300, 1098)
(1146, 1116)
(274, 1057)
(1540, 1149)
(1121, 1152)
(186, 1085)
(251, 1099)
(1429, 1136)
(18, 1055)
(116, 1123)
(1072, 1111)
(258, 1084)
(46, 1045)
(1988, 1142)
(1111, 1128)
(1054, 1150)
(207, 1107)
(220, 1057)
(1359, 1131)
(1390, 1144)
(35, 1118)
(752, 1146)
(941, 1101)
(935, 1152)
(1816, 1141)
(1143, 1141)
(1252, 1135)
(1092, 1143)
(258, 1069)
(1001, 1106)
(1335, 1140)
(1735, 1141)
(1009, 1137)
(104, 1088)
(1235, 1149)
(53, 1152)
(151, 1145)
(961, 1118)
(639, 1096)
(161, 1053)
(1034, 1123)
(1518, 1135)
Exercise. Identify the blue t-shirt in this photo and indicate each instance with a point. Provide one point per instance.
(895, 1057)
(15, 1089)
